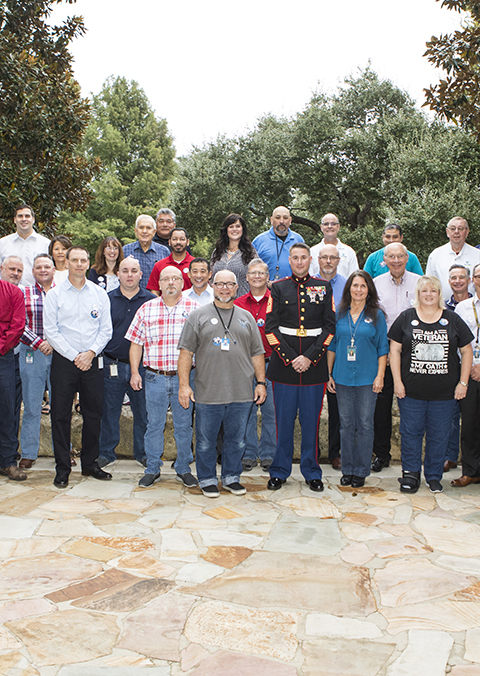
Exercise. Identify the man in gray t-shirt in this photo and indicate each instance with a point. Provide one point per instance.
(228, 352)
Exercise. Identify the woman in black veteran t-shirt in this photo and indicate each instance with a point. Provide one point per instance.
(427, 379)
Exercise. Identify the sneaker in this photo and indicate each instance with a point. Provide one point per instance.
(188, 479)
(13, 473)
(435, 486)
(265, 463)
(211, 491)
(142, 462)
(248, 464)
(148, 479)
(235, 488)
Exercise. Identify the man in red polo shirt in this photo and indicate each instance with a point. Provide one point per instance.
(179, 258)
(255, 302)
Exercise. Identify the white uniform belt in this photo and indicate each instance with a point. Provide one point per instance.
(302, 333)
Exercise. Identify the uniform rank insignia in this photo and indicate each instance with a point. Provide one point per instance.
(316, 293)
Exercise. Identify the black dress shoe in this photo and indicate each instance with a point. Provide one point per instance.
(378, 464)
(97, 473)
(357, 481)
(274, 483)
(60, 481)
(315, 485)
(346, 480)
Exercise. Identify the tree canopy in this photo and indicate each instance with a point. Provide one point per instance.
(136, 153)
(455, 97)
(42, 114)
(365, 153)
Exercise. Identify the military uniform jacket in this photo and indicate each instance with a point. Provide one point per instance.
(301, 304)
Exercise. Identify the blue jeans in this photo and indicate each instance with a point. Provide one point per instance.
(160, 391)
(8, 435)
(115, 388)
(268, 438)
(417, 418)
(208, 419)
(35, 378)
(356, 407)
(453, 447)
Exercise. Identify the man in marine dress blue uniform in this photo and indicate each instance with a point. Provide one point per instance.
(300, 324)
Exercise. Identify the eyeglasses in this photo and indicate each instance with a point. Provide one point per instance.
(112, 247)
(171, 279)
(330, 223)
(168, 221)
(224, 285)
(456, 228)
(257, 274)
(329, 258)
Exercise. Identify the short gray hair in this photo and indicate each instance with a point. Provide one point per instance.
(152, 222)
(167, 212)
(257, 261)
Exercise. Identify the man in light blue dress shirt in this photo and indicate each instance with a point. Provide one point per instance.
(273, 246)
(77, 325)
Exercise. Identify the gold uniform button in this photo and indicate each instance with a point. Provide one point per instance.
(302, 293)
(303, 300)
(302, 286)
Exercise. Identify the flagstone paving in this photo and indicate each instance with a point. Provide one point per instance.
(114, 580)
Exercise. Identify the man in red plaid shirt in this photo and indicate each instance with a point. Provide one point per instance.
(35, 358)
(155, 330)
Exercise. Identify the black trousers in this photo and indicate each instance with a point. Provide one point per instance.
(333, 427)
(66, 379)
(382, 421)
(470, 436)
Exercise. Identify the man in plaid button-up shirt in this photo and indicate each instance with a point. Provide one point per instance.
(155, 330)
(35, 358)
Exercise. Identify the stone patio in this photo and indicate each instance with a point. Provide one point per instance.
(114, 580)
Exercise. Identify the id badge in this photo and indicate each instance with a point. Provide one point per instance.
(100, 361)
(476, 354)
(351, 353)
(113, 370)
(225, 344)
(29, 357)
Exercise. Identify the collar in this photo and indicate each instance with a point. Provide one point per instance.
(265, 296)
(300, 280)
(402, 278)
(33, 235)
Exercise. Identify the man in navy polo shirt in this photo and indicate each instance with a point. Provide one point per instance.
(124, 302)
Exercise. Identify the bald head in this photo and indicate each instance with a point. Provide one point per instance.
(330, 226)
(225, 288)
(171, 284)
(281, 221)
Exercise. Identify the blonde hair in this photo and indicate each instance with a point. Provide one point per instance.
(434, 282)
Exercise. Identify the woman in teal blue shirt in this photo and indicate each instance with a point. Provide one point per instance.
(357, 358)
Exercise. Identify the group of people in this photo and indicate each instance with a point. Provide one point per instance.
(267, 323)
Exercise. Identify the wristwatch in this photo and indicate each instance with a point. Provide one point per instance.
(261, 382)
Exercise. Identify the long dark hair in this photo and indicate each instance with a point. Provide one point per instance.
(245, 245)
(372, 306)
(100, 266)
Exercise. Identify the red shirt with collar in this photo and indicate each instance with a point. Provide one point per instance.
(12, 316)
(259, 311)
(182, 266)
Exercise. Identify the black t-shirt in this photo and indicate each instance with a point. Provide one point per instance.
(430, 365)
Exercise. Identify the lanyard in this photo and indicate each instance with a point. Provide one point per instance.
(350, 326)
(476, 317)
(278, 254)
(226, 328)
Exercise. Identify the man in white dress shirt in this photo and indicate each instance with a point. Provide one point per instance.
(77, 325)
(25, 242)
(330, 226)
(455, 251)
(396, 293)
(199, 273)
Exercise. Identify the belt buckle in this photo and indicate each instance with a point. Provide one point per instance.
(301, 333)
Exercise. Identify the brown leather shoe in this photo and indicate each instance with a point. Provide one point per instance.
(448, 465)
(336, 463)
(26, 463)
(465, 481)
(16, 474)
